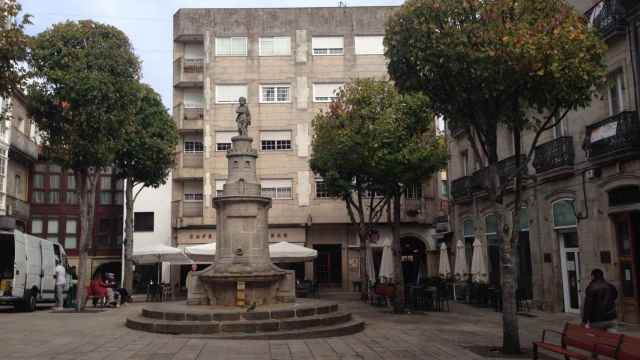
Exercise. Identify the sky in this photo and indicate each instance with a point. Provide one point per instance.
(148, 23)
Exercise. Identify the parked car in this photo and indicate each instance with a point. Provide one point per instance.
(27, 269)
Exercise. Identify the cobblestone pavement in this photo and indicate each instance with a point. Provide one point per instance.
(445, 335)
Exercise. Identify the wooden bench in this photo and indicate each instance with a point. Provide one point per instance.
(578, 342)
(628, 349)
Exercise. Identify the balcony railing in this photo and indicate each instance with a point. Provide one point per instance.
(613, 137)
(188, 72)
(188, 119)
(462, 187)
(477, 182)
(554, 155)
(24, 144)
(608, 16)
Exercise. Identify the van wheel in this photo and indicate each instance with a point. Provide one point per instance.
(29, 303)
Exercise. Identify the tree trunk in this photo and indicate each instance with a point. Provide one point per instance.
(364, 277)
(510, 331)
(128, 230)
(397, 256)
(86, 191)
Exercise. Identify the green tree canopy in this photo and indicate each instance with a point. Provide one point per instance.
(13, 46)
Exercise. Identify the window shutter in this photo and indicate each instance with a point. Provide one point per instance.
(193, 98)
(220, 184)
(369, 45)
(327, 42)
(224, 137)
(230, 93)
(325, 90)
(276, 183)
(275, 135)
(193, 51)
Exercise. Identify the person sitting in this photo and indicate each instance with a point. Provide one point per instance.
(97, 290)
(113, 295)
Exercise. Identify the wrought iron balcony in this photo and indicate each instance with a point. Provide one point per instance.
(614, 137)
(554, 155)
(608, 16)
(507, 167)
(462, 187)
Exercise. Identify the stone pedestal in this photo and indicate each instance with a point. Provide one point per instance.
(242, 273)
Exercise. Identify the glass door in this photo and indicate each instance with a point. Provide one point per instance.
(570, 256)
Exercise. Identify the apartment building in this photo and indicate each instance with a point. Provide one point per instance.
(288, 63)
(55, 215)
(584, 211)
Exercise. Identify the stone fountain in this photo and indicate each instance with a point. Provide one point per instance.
(243, 295)
(242, 273)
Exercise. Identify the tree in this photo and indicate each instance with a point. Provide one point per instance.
(487, 65)
(144, 159)
(374, 140)
(13, 46)
(83, 100)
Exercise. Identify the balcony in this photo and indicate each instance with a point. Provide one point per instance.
(613, 138)
(186, 213)
(17, 208)
(556, 156)
(188, 72)
(608, 16)
(462, 187)
(188, 119)
(188, 166)
(23, 145)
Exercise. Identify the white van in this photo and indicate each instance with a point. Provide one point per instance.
(27, 269)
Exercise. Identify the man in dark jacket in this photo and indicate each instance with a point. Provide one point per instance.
(599, 310)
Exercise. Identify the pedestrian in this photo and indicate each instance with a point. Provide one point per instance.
(61, 281)
(599, 310)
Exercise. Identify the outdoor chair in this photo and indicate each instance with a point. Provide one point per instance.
(522, 302)
(154, 293)
(167, 292)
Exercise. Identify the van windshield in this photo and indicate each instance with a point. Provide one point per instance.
(7, 254)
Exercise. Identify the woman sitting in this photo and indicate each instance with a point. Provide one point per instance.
(97, 290)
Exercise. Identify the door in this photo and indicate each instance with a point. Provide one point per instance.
(570, 261)
(626, 232)
(328, 265)
(20, 264)
(47, 291)
(34, 261)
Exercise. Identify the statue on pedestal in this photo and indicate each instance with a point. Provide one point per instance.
(243, 117)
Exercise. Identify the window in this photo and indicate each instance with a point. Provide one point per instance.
(37, 197)
(71, 198)
(616, 92)
(229, 94)
(193, 191)
(71, 231)
(413, 192)
(274, 94)
(325, 92)
(103, 239)
(143, 221)
(231, 46)
(468, 234)
(493, 248)
(18, 186)
(105, 198)
(444, 183)
(193, 196)
(277, 189)
(328, 45)
(464, 162)
(564, 215)
(369, 45)
(52, 229)
(560, 129)
(53, 197)
(220, 187)
(223, 140)
(36, 226)
(105, 183)
(193, 99)
(193, 146)
(322, 191)
(275, 46)
(275, 140)
(194, 51)
(54, 181)
(38, 181)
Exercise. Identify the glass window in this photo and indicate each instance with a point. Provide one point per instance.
(70, 242)
(36, 226)
(275, 140)
(120, 184)
(53, 197)
(220, 187)
(119, 197)
(229, 94)
(52, 226)
(413, 192)
(327, 45)
(143, 221)
(71, 226)
(105, 198)
(193, 147)
(369, 45)
(322, 190)
(274, 93)
(55, 168)
(192, 196)
(524, 219)
(467, 228)
(231, 46)
(223, 140)
(277, 189)
(616, 92)
(71, 198)
(326, 92)
(71, 182)
(491, 224)
(105, 183)
(54, 181)
(275, 46)
(564, 214)
(37, 197)
(38, 181)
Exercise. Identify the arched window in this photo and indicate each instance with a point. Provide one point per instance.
(564, 215)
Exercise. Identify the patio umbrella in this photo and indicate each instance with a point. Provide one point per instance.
(370, 268)
(444, 269)
(478, 267)
(161, 253)
(286, 252)
(203, 253)
(460, 268)
(386, 264)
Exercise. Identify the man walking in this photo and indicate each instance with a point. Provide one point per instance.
(599, 310)
(61, 281)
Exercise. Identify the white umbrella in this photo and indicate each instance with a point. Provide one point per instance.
(286, 252)
(160, 253)
(444, 269)
(460, 268)
(386, 264)
(370, 268)
(203, 253)
(478, 267)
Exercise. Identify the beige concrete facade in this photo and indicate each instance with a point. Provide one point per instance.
(599, 144)
(302, 217)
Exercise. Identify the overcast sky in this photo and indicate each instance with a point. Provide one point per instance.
(148, 24)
